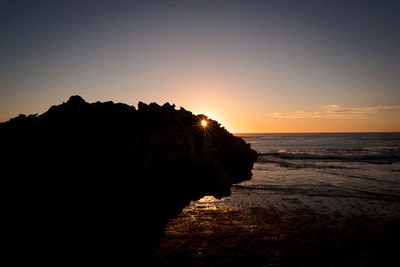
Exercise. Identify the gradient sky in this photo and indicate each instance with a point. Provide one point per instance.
(255, 66)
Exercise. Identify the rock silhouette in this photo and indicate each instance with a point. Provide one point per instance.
(98, 182)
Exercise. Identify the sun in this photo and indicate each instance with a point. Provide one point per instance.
(203, 123)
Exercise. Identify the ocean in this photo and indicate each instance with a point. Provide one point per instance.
(329, 172)
(347, 172)
(314, 199)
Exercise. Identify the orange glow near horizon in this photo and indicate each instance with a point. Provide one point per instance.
(249, 121)
(242, 117)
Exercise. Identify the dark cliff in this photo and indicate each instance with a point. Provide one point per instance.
(98, 182)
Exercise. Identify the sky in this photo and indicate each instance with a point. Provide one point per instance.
(255, 66)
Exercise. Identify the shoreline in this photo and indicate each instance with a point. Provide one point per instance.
(205, 235)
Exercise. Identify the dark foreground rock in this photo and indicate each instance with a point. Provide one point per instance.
(98, 182)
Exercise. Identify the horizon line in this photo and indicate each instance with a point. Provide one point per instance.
(313, 132)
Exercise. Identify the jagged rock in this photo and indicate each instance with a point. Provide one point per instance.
(98, 182)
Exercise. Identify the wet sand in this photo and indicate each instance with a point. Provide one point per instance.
(218, 235)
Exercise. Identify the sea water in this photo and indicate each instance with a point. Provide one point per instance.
(350, 173)
(313, 200)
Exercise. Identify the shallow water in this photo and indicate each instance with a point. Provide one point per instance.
(314, 200)
(350, 173)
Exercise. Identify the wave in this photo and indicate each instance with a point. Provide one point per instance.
(341, 174)
(332, 191)
(298, 165)
(319, 156)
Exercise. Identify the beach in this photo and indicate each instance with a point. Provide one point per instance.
(295, 211)
(206, 234)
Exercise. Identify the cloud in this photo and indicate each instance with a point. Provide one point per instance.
(336, 112)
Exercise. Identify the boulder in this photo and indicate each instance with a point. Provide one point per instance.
(97, 183)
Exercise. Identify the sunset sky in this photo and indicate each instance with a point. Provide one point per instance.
(255, 66)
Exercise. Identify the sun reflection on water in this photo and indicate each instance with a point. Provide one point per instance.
(206, 203)
(207, 199)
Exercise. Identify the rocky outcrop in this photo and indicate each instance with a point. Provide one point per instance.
(98, 182)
